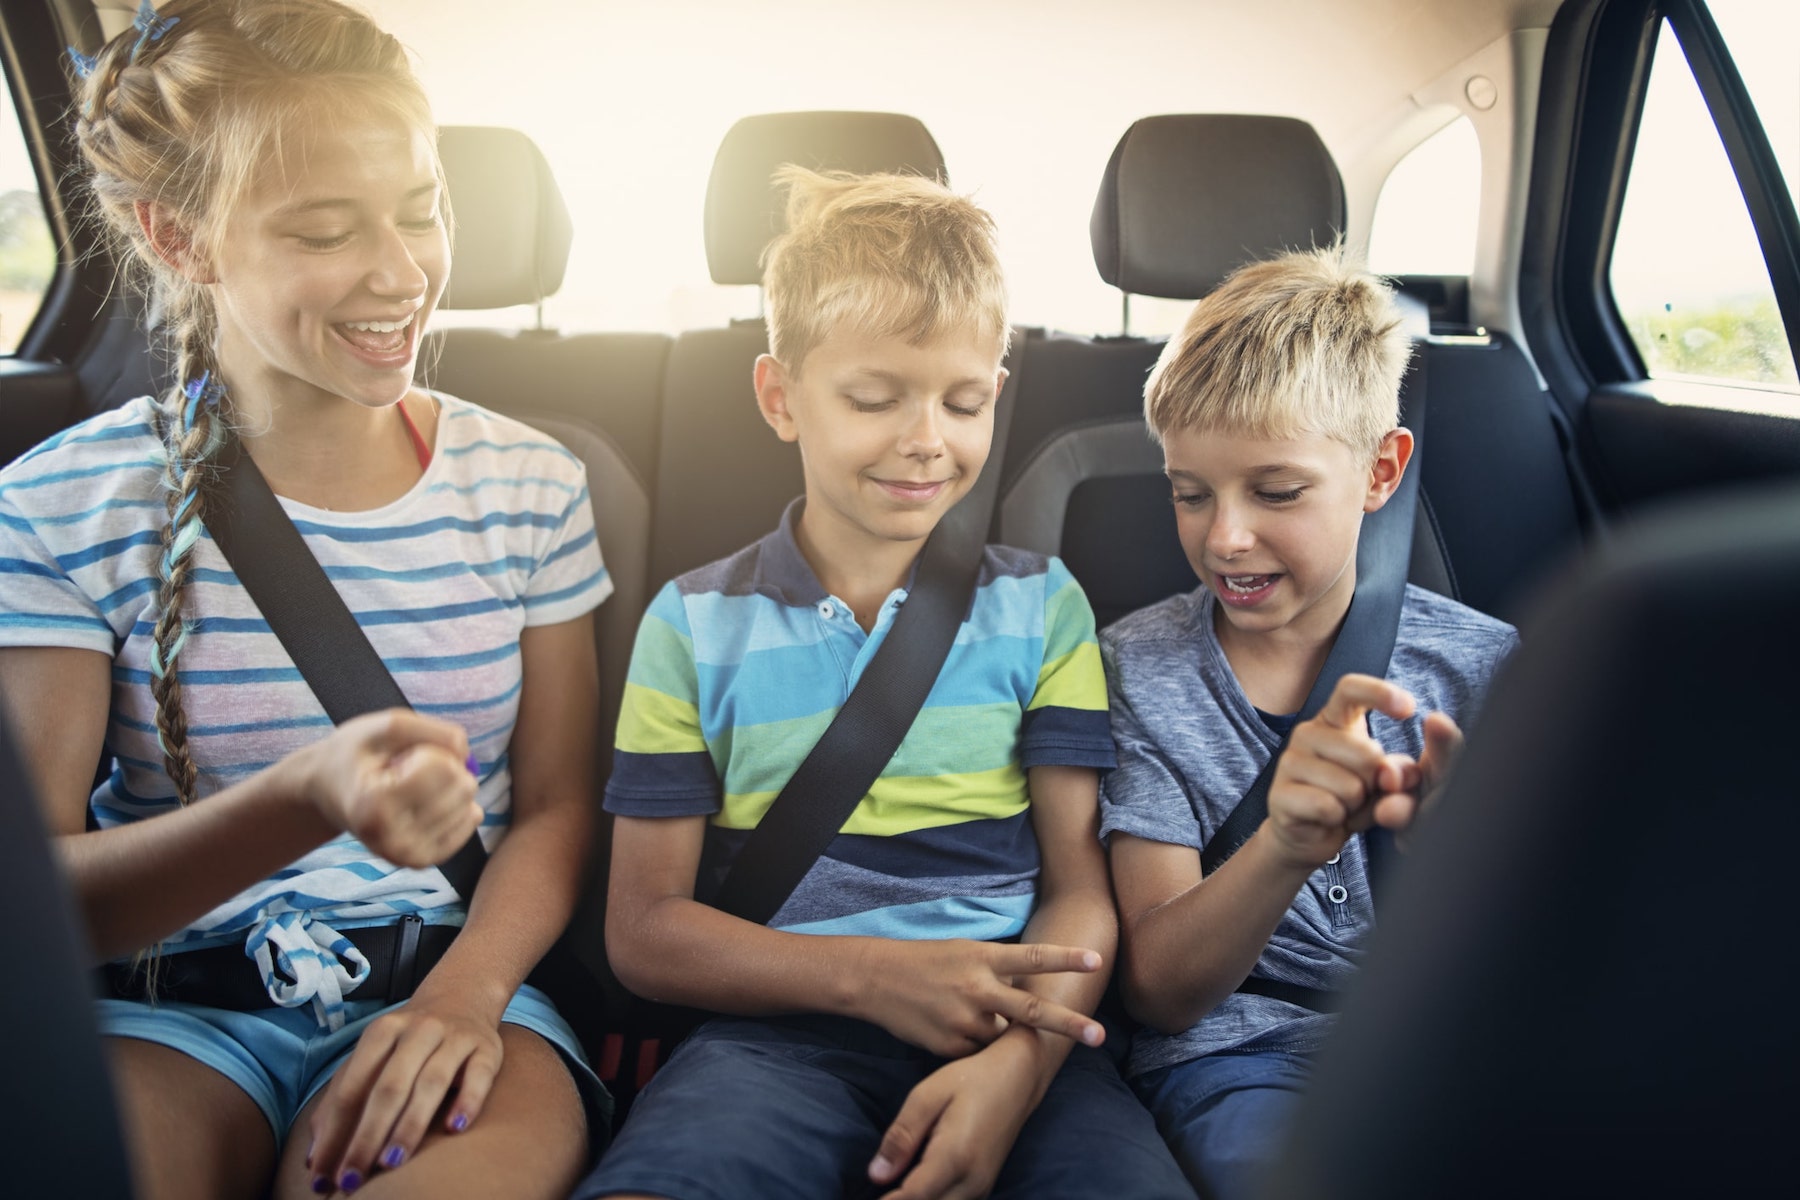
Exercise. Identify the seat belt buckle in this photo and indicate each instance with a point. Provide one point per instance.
(405, 964)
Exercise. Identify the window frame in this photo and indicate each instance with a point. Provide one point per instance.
(1747, 148)
(32, 49)
(1596, 74)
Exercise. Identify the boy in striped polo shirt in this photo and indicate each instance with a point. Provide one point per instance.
(880, 1032)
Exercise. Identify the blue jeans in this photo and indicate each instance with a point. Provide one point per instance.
(1224, 1115)
(796, 1106)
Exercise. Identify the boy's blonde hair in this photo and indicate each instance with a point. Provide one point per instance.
(894, 255)
(189, 114)
(1306, 342)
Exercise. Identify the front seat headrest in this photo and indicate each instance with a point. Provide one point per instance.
(1187, 199)
(744, 213)
(512, 227)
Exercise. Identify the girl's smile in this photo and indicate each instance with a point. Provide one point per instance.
(329, 270)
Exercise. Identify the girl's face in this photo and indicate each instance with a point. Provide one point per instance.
(327, 271)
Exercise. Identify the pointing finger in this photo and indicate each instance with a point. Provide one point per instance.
(1356, 695)
(1042, 958)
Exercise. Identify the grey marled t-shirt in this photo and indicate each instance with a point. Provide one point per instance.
(1190, 745)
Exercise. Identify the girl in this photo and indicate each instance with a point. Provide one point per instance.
(270, 165)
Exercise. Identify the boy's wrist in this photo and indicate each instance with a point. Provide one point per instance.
(1032, 1055)
(854, 976)
(1273, 853)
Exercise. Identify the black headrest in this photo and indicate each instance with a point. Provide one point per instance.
(743, 212)
(512, 227)
(1188, 199)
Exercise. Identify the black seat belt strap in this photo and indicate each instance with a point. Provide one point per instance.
(308, 617)
(1365, 643)
(867, 731)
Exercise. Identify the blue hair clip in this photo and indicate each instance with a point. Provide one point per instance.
(150, 27)
(204, 390)
(84, 64)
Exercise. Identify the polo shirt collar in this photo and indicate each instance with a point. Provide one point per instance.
(782, 572)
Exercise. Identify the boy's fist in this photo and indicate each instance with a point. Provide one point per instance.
(397, 781)
(1332, 768)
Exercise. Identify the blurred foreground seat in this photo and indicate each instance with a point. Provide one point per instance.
(59, 1131)
(1581, 983)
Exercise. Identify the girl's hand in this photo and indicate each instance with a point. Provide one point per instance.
(380, 1104)
(953, 997)
(398, 781)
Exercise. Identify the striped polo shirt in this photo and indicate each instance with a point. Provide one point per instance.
(739, 667)
(497, 535)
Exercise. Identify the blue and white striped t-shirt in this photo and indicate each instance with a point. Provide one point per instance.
(497, 535)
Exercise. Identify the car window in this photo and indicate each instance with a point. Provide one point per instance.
(1426, 217)
(1687, 272)
(27, 252)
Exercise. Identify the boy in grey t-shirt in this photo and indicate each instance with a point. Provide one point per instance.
(1276, 406)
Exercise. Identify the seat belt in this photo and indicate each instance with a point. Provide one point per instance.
(1365, 642)
(1364, 646)
(308, 617)
(867, 731)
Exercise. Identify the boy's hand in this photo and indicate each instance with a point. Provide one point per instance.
(953, 997)
(957, 1127)
(1330, 769)
(1413, 788)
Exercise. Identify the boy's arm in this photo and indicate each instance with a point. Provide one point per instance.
(1189, 942)
(1187, 947)
(943, 996)
(967, 1114)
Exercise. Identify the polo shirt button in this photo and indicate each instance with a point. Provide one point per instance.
(1332, 861)
(826, 610)
(1338, 893)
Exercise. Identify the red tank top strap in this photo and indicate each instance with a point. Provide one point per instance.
(418, 440)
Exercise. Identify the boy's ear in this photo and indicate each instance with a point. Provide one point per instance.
(1389, 467)
(172, 242)
(772, 397)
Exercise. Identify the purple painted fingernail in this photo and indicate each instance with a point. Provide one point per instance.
(474, 765)
(349, 1181)
(321, 1186)
(394, 1156)
(459, 1122)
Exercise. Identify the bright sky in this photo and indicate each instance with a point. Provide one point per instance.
(15, 168)
(1684, 233)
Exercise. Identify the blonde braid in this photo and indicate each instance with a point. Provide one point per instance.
(196, 425)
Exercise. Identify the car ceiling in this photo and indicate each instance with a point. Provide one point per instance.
(1339, 63)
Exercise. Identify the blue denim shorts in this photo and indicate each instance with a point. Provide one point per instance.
(1224, 1115)
(281, 1058)
(797, 1106)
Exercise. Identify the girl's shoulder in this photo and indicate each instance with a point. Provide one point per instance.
(114, 457)
(489, 442)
